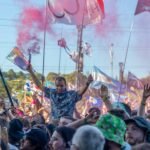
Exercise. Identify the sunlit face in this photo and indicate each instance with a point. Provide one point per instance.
(60, 86)
(64, 121)
(57, 141)
(134, 135)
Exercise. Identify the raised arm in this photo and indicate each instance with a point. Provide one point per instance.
(105, 97)
(146, 94)
(89, 80)
(91, 118)
(34, 78)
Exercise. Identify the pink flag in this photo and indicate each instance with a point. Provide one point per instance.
(76, 12)
(142, 6)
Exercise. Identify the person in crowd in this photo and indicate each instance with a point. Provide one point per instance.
(143, 146)
(113, 129)
(119, 109)
(15, 133)
(64, 120)
(61, 138)
(3, 138)
(35, 139)
(62, 101)
(138, 130)
(88, 138)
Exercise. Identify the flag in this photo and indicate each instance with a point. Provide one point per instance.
(76, 12)
(17, 57)
(99, 75)
(133, 81)
(100, 78)
(142, 6)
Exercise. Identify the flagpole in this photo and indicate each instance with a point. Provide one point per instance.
(126, 55)
(6, 88)
(79, 65)
(44, 44)
(111, 58)
(60, 53)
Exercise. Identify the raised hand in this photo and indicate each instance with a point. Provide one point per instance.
(104, 91)
(89, 79)
(92, 117)
(146, 92)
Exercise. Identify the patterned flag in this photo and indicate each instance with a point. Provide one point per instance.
(142, 6)
(133, 81)
(76, 12)
(17, 57)
(102, 78)
(99, 75)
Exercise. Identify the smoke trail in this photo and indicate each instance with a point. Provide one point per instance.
(110, 22)
(31, 26)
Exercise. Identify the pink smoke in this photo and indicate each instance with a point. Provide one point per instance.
(110, 22)
(32, 24)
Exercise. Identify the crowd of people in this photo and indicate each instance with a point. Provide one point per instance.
(118, 129)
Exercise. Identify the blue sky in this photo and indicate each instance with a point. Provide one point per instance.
(139, 49)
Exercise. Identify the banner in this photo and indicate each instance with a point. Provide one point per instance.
(142, 6)
(76, 12)
(133, 81)
(17, 57)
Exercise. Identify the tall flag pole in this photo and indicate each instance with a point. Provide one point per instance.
(44, 43)
(111, 53)
(125, 60)
(6, 88)
(79, 64)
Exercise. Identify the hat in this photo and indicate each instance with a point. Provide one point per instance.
(122, 106)
(140, 122)
(66, 133)
(37, 136)
(112, 127)
(15, 130)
